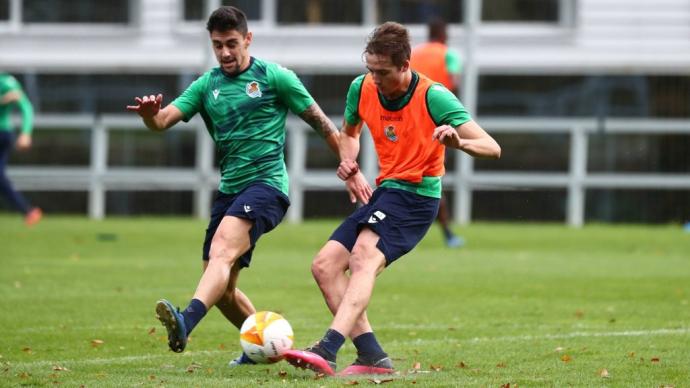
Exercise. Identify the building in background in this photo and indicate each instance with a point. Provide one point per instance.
(599, 59)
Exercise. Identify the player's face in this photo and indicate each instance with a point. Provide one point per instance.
(389, 78)
(231, 50)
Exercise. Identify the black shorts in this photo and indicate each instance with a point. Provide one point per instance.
(260, 203)
(400, 218)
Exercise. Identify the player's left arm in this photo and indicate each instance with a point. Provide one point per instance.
(468, 137)
(318, 120)
(455, 127)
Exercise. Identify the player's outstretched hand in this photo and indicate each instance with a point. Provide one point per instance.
(358, 188)
(446, 134)
(147, 106)
(347, 168)
(23, 142)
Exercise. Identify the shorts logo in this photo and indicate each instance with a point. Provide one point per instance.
(389, 130)
(253, 89)
(247, 208)
(376, 217)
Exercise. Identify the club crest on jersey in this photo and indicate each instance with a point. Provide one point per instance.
(389, 130)
(253, 89)
(215, 92)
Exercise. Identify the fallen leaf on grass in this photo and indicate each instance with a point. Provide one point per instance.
(221, 346)
(506, 385)
(380, 381)
(152, 377)
(60, 368)
(461, 365)
(27, 350)
(579, 314)
(352, 382)
(24, 375)
(631, 354)
(558, 349)
(566, 358)
(604, 373)
(192, 367)
(436, 368)
(655, 359)
(501, 365)
(96, 343)
(282, 373)
(152, 331)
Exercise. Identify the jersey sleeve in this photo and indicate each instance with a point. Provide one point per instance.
(445, 108)
(352, 102)
(290, 90)
(10, 84)
(453, 62)
(191, 100)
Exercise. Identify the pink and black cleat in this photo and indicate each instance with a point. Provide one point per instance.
(306, 359)
(383, 366)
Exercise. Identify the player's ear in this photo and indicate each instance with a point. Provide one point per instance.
(405, 65)
(248, 39)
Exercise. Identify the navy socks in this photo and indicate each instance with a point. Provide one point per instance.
(332, 341)
(368, 347)
(193, 314)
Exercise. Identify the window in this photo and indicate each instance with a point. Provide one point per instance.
(4, 10)
(99, 93)
(194, 9)
(76, 11)
(419, 11)
(319, 12)
(521, 10)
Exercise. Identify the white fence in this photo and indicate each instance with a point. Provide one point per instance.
(202, 179)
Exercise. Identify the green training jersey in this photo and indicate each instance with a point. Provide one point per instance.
(10, 84)
(245, 115)
(444, 108)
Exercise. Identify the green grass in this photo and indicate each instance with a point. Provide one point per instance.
(525, 304)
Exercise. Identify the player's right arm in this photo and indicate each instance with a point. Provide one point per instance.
(155, 118)
(348, 147)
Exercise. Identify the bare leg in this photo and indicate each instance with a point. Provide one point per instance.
(329, 270)
(365, 263)
(230, 242)
(234, 304)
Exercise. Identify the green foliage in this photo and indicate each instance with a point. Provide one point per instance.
(525, 305)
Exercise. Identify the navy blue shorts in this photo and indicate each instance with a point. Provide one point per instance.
(400, 218)
(260, 203)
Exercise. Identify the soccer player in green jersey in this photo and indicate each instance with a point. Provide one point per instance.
(11, 95)
(244, 103)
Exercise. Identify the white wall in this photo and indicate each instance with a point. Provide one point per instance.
(614, 36)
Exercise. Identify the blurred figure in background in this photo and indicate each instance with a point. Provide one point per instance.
(443, 65)
(12, 95)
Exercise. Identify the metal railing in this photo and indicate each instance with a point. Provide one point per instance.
(202, 179)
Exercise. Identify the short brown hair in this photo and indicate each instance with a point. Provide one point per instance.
(227, 18)
(390, 39)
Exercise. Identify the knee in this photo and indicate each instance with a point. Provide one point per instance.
(224, 251)
(321, 268)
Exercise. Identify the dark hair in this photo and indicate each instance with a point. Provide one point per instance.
(437, 30)
(227, 18)
(390, 39)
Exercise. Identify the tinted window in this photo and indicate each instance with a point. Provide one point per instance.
(76, 11)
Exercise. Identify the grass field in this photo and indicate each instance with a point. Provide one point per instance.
(520, 304)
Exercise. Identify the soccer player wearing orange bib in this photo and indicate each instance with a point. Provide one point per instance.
(412, 120)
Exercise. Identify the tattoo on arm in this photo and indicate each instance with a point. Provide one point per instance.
(318, 120)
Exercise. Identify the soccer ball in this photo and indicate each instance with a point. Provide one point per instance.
(265, 336)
